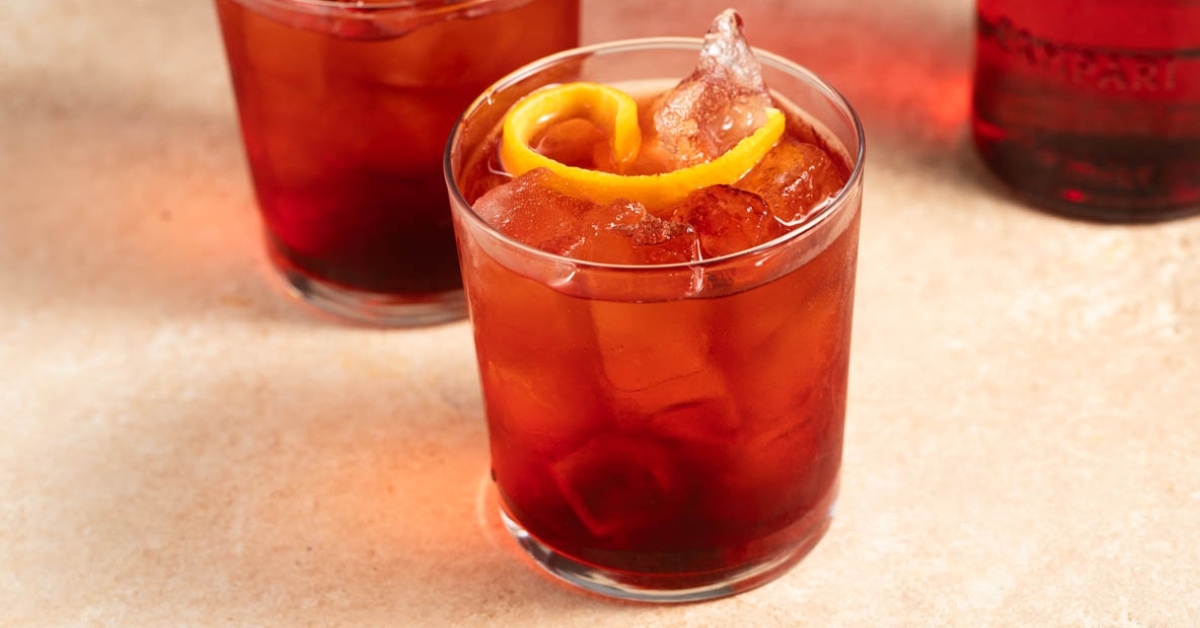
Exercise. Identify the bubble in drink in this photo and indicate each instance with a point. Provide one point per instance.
(721, 103)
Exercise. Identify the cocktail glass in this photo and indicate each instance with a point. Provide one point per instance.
(669, 432)
(345, 108)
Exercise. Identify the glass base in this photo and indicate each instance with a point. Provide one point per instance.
(673, 588)
(371, 308)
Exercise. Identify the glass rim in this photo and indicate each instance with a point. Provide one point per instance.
(359, 8)
(831, 208)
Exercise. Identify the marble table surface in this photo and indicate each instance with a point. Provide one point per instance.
(181, 444)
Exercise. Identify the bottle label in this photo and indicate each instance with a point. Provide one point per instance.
(1105, 69)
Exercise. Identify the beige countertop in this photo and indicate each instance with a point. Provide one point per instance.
(181, 444)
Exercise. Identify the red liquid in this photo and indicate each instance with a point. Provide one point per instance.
(345, 125)
(1092, 109)
(729, 465)
(672, 440)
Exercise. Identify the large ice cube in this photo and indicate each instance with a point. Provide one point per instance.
(531, 210)
(664, 382)
(534, 409)
(784, 363)
(605, 232)
(696, 410)
(618, 484)
(643, 345)
(722, 102)
(772, 481)
(576, 142)
(625, 233)
(794, 179)
(785, 383)
(727, 220)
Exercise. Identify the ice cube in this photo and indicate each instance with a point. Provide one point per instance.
(794, 179)
(657, 360)
(658, 241)
(771, 482)
(695, 410)
(727, 220)
(575, 142)
(615, 215)
(615, 234)
(787, 384)
(606, 232)
(534, 408)
(644, 345)
(531, 210)
(617, 484)
(625, 233)
(788, 374)
(723, 101)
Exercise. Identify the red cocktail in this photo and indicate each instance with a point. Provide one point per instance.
(345, 109)
(664, 375)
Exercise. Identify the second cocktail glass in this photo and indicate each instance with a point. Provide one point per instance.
(345, 108)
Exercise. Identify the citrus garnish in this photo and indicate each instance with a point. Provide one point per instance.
(615, 113)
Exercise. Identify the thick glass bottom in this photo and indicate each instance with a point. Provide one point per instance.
(676, 587)
(371, 308)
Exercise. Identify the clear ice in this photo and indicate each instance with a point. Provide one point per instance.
(722, 102)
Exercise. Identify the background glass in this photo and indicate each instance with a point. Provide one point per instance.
(345, 109)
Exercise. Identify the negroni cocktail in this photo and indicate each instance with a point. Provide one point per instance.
(660, 275)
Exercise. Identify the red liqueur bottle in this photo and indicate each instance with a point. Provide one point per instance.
(1091, 108)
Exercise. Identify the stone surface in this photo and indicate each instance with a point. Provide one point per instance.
(180, 444)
